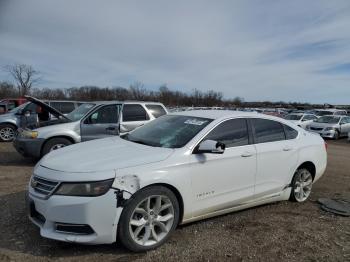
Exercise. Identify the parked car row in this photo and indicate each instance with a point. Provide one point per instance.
(331, 123)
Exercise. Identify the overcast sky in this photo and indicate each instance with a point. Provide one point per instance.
(259, 50)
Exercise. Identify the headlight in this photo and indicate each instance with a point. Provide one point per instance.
(90, 189)
(29, 134)
(329, 129)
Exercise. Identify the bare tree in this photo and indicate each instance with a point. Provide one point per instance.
(25, 77)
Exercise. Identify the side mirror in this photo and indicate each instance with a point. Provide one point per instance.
(211, 146)
(27, 113)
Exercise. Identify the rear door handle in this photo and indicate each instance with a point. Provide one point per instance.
(111, 128)
(246, 154)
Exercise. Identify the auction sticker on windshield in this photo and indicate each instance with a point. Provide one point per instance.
(195, 122)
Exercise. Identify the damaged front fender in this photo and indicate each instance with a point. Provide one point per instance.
(125, 187)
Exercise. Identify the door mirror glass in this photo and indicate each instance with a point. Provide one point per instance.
(211, 146)
(27, 113)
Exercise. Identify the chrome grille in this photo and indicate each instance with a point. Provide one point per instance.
(43, 186)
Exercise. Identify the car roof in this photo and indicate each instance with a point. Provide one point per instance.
(124, 102)
(330, 110)
(218, 114)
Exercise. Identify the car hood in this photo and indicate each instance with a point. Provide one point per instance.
(103, 154)
(48, 108)
(58, 128)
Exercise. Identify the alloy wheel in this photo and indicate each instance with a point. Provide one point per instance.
(7, 133)
(151, 220)
(303, 185)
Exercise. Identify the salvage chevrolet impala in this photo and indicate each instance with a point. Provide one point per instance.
(179, 168)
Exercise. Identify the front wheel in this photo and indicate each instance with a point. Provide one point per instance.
(54, 144)
(301, 185)
(7, 132)
(148, 219)
(336, 135)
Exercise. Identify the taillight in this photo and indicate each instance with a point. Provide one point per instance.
(326, 145)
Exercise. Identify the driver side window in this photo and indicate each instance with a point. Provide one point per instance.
(104, 115)
(232, 133)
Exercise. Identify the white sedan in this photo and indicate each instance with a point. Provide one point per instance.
(177, 169)
(301, 119)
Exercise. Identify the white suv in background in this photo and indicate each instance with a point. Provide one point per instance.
(177, 169)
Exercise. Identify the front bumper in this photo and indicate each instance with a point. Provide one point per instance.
(325, 134)
(29, 147)
(99, 214)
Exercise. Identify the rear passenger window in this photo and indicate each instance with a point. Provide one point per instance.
(134, 113)
(291, 133)
(267, 130)
(156, 110)
(231, 132)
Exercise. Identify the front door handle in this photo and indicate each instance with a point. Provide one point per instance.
(287, 148)
(246, 154)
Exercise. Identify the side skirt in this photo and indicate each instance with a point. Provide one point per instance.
(283, 195)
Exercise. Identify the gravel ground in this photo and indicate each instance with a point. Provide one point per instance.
(282, 231)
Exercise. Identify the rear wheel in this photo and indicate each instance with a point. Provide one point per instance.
(55, 143)
(301, 185)
(148, 219)
(7, 132)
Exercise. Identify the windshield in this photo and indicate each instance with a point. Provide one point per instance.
(293, 117)
(328, 119)
(79, 112)
(170, 131)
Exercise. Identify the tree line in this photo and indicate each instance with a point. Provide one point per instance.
(135, 91)
(26, 77)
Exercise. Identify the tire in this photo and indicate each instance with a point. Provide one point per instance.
(146, 232)
(336, 135)
(301, 185)
(7, 132)
(55, 143)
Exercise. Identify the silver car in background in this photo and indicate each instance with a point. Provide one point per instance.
(331, 126)
(89, 121)
(34, 113)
